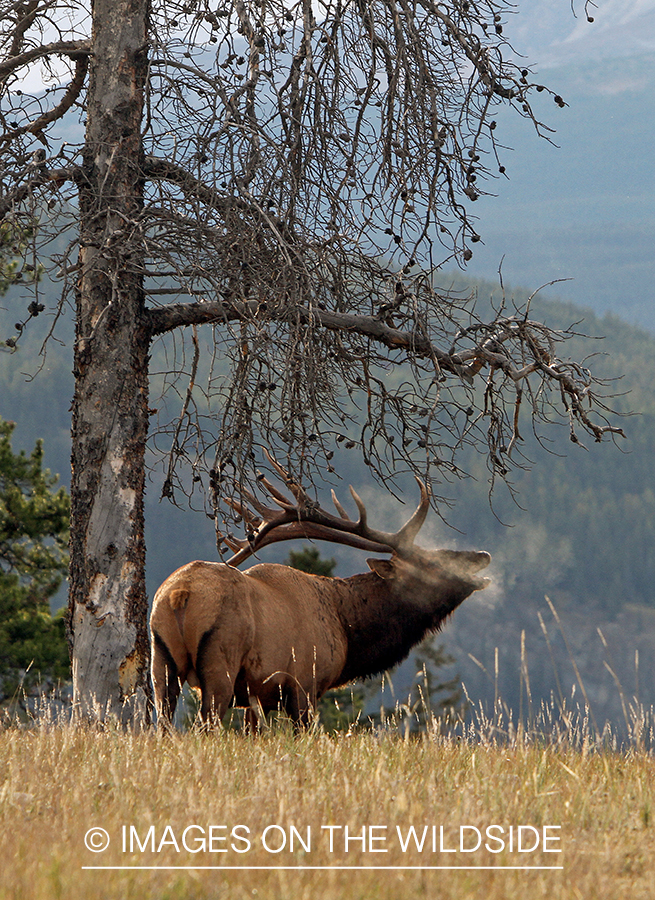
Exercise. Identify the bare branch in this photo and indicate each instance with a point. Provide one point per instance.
(170, 317)
(45, 177)
(193, 189)
(73, 92)
(301, 185)
(72, 49)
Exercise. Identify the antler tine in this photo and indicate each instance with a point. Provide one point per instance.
(342, 512)
(243, 511)
(411, 528)
(293, 486)
(234, 544)
(278, 468)
(404, 538)
(306, 519)
(304, 531)
(268, 519)
(276, 494)
(360, 507)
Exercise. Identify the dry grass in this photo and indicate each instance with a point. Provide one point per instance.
(59, 782)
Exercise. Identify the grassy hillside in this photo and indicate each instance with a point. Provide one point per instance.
(157, 799)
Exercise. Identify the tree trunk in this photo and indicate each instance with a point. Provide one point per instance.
(108, 603)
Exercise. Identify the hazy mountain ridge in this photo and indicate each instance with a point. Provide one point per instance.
(584, 537)
(583, 206)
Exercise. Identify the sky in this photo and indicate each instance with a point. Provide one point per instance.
(551, 32)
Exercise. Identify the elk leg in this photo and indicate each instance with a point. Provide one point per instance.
(216, 676)
(166, 681)
(297, 705)
(255, 717)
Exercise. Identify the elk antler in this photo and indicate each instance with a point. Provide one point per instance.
(306, 519)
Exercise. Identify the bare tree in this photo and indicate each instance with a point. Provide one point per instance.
(269, 186)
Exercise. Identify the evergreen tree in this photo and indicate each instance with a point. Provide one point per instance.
(33, 559)
(309, 560)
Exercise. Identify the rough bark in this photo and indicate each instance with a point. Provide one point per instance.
(108, 604)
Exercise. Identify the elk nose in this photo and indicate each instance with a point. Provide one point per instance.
(473, 560)
(482, 560)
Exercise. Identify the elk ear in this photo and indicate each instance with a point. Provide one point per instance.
(382, 567)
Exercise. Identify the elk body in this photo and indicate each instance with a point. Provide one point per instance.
(273, 637)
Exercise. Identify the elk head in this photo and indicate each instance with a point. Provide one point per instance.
(305, 519)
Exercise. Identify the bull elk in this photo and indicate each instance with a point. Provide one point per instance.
(273, 637)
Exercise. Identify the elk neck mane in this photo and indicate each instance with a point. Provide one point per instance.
(381, 624)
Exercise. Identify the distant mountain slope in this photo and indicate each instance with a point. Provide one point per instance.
(585, 208)
(587, 529)
(585, 535)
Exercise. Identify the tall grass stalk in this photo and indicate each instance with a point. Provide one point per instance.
(448, 776)
(57, 782)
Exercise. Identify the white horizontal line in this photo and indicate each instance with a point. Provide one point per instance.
(323, 868)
